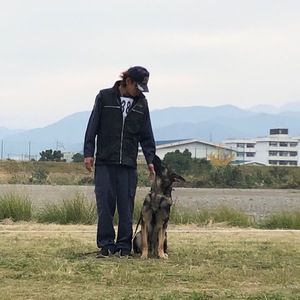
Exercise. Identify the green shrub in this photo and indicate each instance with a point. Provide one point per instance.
(39, 176)
(143, 175)
(70, 211)
(15, 179)
(231, 217)
(87, 180)
(197, 172)
(15, 207)
(182, 216)
(283, 220)
(202, 217)
(63, 180)
(233, 176)
(290, 185)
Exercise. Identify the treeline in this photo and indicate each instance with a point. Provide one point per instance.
(202, 173)
(199, 173)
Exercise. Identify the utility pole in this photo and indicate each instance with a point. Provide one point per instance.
(29, 150)
(2, 150)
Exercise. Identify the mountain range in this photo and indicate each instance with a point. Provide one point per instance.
(211, 124)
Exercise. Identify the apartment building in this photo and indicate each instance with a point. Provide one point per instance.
(277, 149)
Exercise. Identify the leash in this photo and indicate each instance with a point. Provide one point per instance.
(87, 253)
(137, 226)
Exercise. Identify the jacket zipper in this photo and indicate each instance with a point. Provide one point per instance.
(122, 132)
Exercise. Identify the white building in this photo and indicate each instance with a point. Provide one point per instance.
(199, 149)
(68, 156)
(278, 149)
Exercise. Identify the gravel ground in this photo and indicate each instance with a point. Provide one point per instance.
(255, 202)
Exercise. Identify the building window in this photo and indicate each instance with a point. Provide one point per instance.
(293, 144)
(283, 153)
(293, 163)
(293, 153)
(250, 154)
(240, 154)
(283, 163)
(272, 153)
(283, 144)
(279, 131)
(240, 145)
(250, 145)
(273, 144)
(273, 162)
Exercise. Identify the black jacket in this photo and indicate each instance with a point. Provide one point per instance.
(117, 140)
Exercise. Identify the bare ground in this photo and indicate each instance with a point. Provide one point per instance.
(255, 202)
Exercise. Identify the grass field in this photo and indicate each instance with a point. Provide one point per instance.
(39, 261)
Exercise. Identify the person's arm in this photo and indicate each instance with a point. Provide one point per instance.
(151, 171)
(89, 163)
(90, 135)
(147, 143)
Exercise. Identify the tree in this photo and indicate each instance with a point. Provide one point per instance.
(78, 157)
(220, 159)
(39, 176)
(203, 164)
(50, 155)
(180, 162)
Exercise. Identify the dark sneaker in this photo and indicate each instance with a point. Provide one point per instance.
(103, 253)
(125, 253)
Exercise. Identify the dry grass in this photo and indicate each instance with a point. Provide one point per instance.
(45, 262)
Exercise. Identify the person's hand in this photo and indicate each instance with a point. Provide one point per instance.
(89, 162)
(151, 172)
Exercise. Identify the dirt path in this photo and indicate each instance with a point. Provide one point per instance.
(255, 202)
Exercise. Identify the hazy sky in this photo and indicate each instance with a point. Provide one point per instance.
(56, 55)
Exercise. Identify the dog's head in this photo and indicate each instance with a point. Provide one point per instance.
(165, 176)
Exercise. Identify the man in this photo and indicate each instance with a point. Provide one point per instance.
(119, 121)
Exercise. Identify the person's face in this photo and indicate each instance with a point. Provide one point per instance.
(131, 88)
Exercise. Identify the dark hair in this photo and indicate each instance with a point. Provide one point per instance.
(124, 76)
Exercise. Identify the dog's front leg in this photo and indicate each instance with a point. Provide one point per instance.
(161, 240)
(144, 241)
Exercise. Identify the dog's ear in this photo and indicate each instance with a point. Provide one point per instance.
(156, 160)
(177, 178)
(157, 165)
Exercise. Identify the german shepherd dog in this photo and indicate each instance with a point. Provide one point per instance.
(152, 239)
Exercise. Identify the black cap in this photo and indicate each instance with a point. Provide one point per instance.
(141, 76)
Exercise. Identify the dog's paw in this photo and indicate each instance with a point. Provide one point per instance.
(163, 256)
(144, 256)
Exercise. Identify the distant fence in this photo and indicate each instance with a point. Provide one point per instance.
(21, 156)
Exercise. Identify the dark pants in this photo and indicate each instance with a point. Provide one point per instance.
(115, 186)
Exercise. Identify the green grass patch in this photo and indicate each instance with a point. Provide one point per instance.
(251, 264)
(200, 217)
(15, 207)
(79, 210)
(75, 210)
(283, 220)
